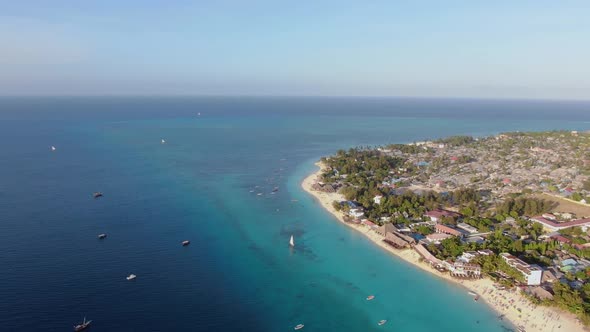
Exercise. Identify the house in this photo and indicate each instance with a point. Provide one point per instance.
(438, 214)
(532, 273)
(439, 228)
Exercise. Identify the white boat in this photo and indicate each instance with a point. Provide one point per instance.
(370, 297)
(291, 241)
(186, 243)
(131, 277)
(53, 148)
(381, 322)
(472, 293)
(163, 141)
(298, 327)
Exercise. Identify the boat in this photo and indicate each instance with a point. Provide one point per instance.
(298, 327)
(53, 148)
(186, 243)
(102, 236)
(82, 326)
(163, 141)
(97, 194)
(370, 297)
(275, 189)
(381, 322)
(259, 194)
(131, 277)
(476, 298)
(472, 293)
(292, 242)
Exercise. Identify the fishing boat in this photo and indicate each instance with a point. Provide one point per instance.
(186, 243)
(298, 327)
(131, 277)
(82, 326)
(292, 242)
(102, 236)
(97, 194)
(370, 297)
(381, 322)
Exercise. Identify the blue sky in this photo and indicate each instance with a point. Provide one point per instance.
(490, 49)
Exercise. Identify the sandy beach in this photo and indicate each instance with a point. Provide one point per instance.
(509, 304)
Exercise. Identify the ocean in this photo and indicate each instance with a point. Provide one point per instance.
(202, 185)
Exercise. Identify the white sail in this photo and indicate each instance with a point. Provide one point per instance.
(291, 242)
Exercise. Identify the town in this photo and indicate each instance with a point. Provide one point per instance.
(510, 207)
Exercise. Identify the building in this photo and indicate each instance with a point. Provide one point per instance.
(467, 228)
(464, 270)
(377, 199)
(439, 228)
(438, 214)
(437, 237)
(553, 225)
(532, 273)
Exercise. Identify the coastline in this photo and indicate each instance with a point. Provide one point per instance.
(506, 303)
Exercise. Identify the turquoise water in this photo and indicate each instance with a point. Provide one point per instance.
(239, 272)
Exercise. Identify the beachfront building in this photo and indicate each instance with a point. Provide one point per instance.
(532, 273)
(440, 228)
(435, 262)
(555, 225)
(461, 269)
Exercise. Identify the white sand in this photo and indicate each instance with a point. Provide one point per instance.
(505, 302)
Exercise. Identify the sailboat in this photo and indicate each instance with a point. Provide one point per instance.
(82, 326)
(292, 242)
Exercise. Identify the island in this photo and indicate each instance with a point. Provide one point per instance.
(506, 216)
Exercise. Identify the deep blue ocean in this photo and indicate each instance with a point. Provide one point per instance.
(238, 274)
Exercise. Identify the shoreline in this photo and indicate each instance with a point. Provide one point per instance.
(506, 303)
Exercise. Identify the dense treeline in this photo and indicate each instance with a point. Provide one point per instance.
(456, 140)
(523, 206)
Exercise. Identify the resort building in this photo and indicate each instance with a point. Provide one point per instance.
(554, 225)
(439, 228)
(532, 273)
(437, 237)
(463, 270)
(427, 256)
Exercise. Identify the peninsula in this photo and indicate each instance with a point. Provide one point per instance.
(505, 216)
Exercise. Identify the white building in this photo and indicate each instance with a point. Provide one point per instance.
(532, 273)
(377, 199)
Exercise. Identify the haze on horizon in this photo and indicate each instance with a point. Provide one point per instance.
(498, 49)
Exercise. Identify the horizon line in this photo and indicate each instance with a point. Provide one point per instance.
(108, 95)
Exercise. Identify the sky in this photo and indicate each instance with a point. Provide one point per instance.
(414, 48)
